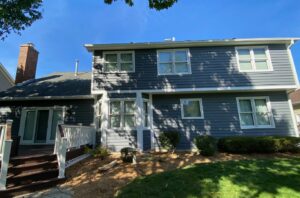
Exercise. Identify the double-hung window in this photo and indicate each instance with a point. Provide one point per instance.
(122, 114)
(253, 59)
(191, 108)
(255, 112)
(118, 61)
(175, 61)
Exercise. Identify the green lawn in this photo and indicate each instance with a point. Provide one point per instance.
(278, 177)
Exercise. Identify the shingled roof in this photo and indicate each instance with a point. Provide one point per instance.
(55, 85)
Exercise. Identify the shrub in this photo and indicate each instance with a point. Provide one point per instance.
(127, 154)
(169, 140)
(263, 144)
(207, 145)
(99, 151)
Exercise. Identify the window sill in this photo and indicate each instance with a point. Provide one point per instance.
(174, 74)
(192, 118)
(257, 127)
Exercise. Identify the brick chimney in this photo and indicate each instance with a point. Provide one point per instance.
(27, 62)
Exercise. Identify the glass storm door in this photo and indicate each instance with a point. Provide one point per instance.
(39, 125)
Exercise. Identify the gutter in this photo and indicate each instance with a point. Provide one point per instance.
(196, 43)
(46, 98)
(293, 67)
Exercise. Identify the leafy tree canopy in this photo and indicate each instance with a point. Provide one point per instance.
(16, 15)
(153, 4)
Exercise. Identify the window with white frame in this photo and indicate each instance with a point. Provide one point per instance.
(175, 61)
(146, 113)
(122, 114)
(255, 112)
(118, 61)
(191, 108)
(253, 59)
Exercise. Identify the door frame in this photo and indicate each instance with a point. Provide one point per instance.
(50, 119)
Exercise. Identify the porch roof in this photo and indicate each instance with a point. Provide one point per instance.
(59, 85)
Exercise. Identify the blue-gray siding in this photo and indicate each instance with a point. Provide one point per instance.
(78, 111)
(211, 67)
(147, 140)
(220, 116)
(118, 139)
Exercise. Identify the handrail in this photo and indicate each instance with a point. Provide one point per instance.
(70, 136)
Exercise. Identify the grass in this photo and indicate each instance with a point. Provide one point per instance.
(279, 177)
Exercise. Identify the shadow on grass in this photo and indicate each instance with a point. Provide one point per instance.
(246, 178)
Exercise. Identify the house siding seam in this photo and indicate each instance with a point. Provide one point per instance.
(211, 67)
(221, 116)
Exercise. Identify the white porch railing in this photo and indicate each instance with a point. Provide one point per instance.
(5, 147)
(68, 137)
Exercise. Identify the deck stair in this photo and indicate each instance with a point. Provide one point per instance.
(30, 173)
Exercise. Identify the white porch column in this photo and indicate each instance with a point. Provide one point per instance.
(151, 122)
(104, 118)
(139, 121)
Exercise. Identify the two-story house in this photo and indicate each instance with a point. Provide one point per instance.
(234, 87)
(218, 87)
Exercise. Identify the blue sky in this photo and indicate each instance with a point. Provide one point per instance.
(68, 25)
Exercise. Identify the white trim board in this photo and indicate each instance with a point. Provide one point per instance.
(47, 98)
(178, 44)
(213, 89)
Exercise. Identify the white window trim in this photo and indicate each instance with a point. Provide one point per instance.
(122, 114)
(255, 126)
(192, 99)
(36, 109)
(118, 61)
(148, 115)
(173, 61)
(269, 62)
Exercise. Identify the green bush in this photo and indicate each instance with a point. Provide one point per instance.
(169, 140)
(99, 151)
(207, 145)
(263, 144)
(127, 154)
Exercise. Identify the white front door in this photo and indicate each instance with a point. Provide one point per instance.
(38, 125)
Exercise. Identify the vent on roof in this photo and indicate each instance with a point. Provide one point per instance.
(170, 39)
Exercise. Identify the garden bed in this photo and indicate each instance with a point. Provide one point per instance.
(86, 181)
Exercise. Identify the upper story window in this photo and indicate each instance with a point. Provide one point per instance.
(119, 61)
(173, 61)
(255, 112)
(253, 59)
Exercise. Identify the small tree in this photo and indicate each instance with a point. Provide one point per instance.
(153, 4)
(169, 140)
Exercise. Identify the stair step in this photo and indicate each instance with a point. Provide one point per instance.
(31, 176)
(32, 159)
(21, 168)
(33, 186)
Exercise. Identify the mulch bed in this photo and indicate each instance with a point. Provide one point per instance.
(87, 181)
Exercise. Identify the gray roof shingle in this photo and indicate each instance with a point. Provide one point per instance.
(56, 84)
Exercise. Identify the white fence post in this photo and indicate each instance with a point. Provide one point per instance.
(61, 156)
(6, 147)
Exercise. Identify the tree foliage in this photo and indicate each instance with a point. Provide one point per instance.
(16, 15)
(153, 4)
